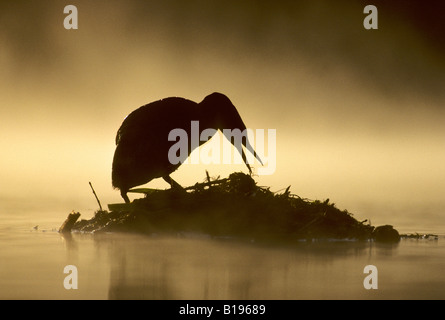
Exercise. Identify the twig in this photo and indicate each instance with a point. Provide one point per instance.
(94, 192)
(205, 184)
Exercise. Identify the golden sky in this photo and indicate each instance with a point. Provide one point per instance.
(359, 114)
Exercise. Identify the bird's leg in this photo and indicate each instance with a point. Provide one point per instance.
(124, 196)
(173, 184)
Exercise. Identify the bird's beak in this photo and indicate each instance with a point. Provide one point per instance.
(249, 147)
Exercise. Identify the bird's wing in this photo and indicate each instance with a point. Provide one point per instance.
(157, 117)
(132, 124)
(118, 136)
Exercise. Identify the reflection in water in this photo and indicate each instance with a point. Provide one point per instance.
(172, 268)
(123, 266)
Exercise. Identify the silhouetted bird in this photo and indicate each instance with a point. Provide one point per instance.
(142, 143)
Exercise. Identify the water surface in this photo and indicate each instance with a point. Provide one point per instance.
(126, 266)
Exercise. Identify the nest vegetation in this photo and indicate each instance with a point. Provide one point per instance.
(234, 207)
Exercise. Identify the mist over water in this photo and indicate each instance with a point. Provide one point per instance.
(358, 117)
(358, 114)
(193, 266)
(33, 256)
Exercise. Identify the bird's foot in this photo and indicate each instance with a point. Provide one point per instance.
(173, 183)
(125, 197)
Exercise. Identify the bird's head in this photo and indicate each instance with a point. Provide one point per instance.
(219, 113)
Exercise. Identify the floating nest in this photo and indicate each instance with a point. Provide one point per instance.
(233, 207)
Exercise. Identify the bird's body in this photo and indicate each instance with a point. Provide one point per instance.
(142, 143)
